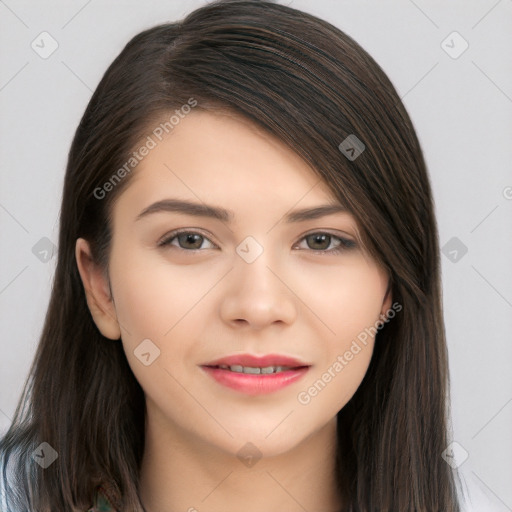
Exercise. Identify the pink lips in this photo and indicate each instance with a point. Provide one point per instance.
(257, 361)
(255, 384)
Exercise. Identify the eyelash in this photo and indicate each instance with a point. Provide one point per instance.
(344, 245)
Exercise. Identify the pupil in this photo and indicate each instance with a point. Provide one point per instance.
(320, 238)
(189, 238)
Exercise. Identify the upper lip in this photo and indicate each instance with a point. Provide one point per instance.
(255, 361)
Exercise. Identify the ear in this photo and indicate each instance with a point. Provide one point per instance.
(97, 291)
(386, 303)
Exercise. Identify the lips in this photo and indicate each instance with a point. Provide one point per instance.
(255, 375)
(257, 361)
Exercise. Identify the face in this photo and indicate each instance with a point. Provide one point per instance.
(256, 287)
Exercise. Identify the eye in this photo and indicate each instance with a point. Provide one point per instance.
(187, 240)
(320, 242)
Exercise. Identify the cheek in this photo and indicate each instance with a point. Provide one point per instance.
(346, 301)
(337, 377)
(349, 308)
(152, 297)
(152, 305)
(164, 304)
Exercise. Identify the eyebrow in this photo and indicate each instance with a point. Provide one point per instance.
(219, 213)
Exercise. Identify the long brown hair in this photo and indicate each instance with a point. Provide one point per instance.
(310, 85)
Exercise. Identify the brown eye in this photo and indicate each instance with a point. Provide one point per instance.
(320, 242)
(190, 240)
(186, 240)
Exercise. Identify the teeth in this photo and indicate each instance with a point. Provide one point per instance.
(255, 371)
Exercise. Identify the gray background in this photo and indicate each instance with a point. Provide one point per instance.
(461, 108)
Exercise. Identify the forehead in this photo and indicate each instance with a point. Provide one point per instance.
(223, 158)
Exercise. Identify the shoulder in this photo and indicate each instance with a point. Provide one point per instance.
(3, 497)
(105, 499)
(6, 482)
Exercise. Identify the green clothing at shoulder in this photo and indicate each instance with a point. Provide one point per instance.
(101, 502)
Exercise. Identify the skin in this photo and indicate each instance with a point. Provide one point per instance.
(197, 306)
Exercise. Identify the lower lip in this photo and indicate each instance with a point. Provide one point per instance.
(255, 384)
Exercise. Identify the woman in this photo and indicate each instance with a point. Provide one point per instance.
(293, 356)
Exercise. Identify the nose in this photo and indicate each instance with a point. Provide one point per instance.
(258, 294)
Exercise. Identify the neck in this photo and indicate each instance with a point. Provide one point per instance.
(180, 472)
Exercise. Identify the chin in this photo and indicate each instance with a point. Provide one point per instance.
(264, 442)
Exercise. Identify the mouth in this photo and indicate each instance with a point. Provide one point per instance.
(255, 375)
(256, 370)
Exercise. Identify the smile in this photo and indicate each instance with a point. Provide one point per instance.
(255, 380)
(255, 370)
